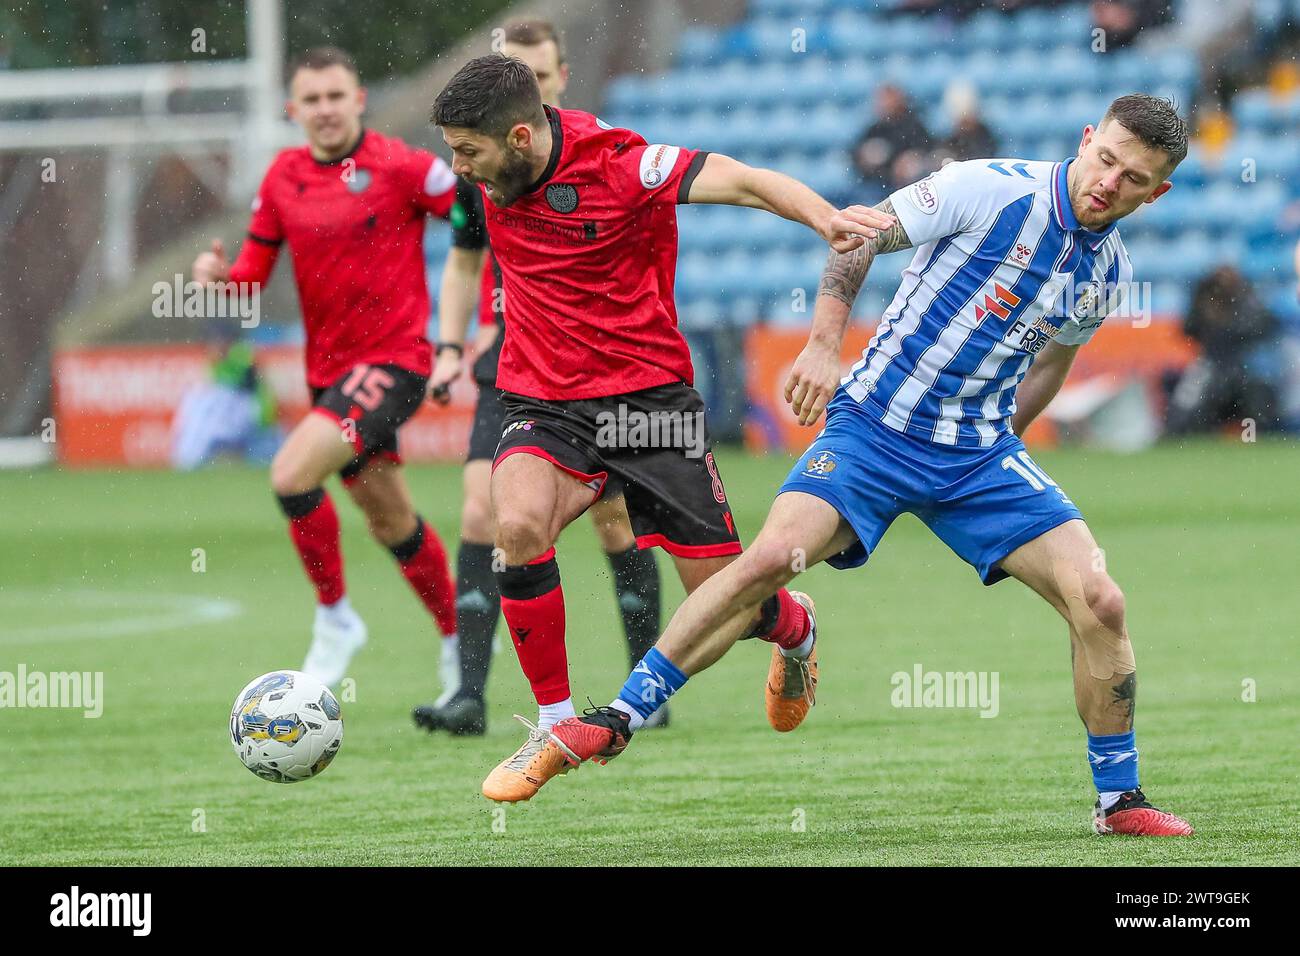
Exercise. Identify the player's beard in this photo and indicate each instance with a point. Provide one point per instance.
(513, 179)
(1094, 220)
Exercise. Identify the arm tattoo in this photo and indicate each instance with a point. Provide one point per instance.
(844, 273)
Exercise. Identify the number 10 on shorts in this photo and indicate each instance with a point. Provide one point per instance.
(1025, 467)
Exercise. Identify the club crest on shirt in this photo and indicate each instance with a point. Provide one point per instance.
(820, 465)
(562, 197)
(358, 181)
(1087, 300)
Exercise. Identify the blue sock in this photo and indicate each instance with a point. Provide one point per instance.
(649, 686)
(1114, 762)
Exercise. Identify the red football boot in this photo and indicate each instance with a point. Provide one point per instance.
(600, 734)
(1131, 815)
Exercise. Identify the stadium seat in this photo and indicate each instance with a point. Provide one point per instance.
(699, 46)
(745, 90)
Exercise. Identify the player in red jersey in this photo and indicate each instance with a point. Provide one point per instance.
(472, 272)
(351, 205)
(596, 375)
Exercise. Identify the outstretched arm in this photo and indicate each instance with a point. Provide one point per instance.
(816, 373)
(456, 298)
(726, 181)
(1041, 383)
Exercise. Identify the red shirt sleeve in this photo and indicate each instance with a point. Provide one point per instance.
(657, 173)
(265, 234)
(433, 183)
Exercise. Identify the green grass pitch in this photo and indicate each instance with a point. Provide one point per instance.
(98, 576)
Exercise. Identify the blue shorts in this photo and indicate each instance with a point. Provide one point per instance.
(983, 503)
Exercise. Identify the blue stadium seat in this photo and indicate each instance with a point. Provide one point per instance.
(987, 31)
(699, 46)
(1191, 172)
(743, 90)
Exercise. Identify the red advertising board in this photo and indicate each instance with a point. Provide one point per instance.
(1143, 350)
(114, 405)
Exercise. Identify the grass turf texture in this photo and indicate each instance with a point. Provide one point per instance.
(1201, 537)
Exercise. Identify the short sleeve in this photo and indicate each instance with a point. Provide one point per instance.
(658, 173)
(1099, 299)
(435, 183)
(468, 224)
(955, 199)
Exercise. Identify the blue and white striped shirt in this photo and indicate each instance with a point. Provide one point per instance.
(1001, 268)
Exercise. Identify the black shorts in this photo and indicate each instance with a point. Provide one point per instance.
(370, 403)
(655, 441)
(489, 421)
(489, 417)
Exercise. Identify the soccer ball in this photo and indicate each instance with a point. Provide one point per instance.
(286, 726)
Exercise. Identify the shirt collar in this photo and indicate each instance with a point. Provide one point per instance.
(557, 147)
(1064, 212)
(356, 147)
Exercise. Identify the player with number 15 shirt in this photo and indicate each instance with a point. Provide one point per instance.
(351, 205)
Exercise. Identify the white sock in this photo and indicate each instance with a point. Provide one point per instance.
(634, 720)
(1109, 798)
(339, 610)
(450, 646)
(548, 715)
(804, 648)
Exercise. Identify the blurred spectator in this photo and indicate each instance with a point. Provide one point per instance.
(1237, 374)
(970, 138)
(894, 150)
(1297, 270)
(1214, 131)
(964, 8)
(1222, 34)
(234, 413)
(1123, 20)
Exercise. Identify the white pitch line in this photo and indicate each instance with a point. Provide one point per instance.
(163, 612)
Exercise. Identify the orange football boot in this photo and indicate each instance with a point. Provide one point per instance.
(791, 688)
(600, 734)
(522, 774)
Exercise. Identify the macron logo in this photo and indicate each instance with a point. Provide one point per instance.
(103, 909)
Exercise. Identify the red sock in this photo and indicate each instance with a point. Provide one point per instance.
(423, 561)
(533, 604)
(785, 621)
(314, 528)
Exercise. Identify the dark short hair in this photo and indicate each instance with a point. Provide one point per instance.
(320, 57)
(490, 94)
(1154, 120)
(534, 33)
